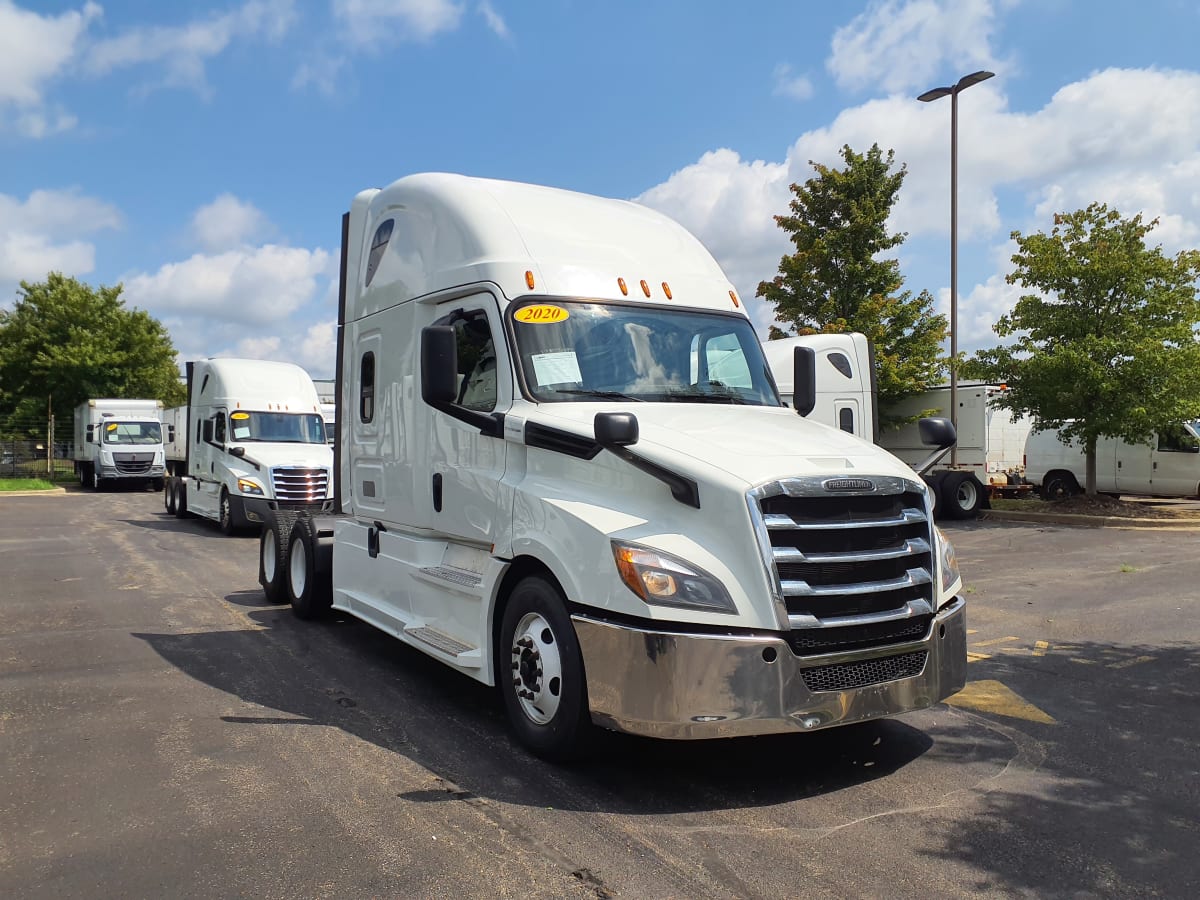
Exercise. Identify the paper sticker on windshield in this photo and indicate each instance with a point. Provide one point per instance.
(541, 314)
(239, 415)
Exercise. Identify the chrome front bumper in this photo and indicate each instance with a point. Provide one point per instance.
(691, 686)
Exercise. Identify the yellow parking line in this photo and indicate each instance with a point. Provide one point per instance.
(1040, 648)
(993, 697)
(994, 641)
(1125, 664)
(975, 657)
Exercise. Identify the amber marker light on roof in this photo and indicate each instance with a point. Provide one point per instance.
(645, 288)
(733, 297)
(529, 278)
(667, 290)
(621, 285)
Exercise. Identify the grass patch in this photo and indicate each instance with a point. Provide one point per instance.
(25, 484)
(1126, 567)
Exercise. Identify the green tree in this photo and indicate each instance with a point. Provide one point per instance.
(64, 341)
(838, 279)
(1107, 346)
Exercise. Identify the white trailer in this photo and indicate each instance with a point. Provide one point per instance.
(1167, 466)
(250, 439)
(119, 442)
(988, 458)
(564, 470)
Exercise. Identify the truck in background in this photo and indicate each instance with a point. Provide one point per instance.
(564, 470)
(119, 441)
(988, 459)
(1168, 466)
(250, 439)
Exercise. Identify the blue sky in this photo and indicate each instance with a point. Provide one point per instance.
(202, 153)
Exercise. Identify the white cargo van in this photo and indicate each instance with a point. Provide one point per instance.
(251, 438)
(119, 441)
(1168, 466)
(564, 470)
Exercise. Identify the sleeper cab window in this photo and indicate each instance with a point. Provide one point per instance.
(366, 387)
(841, 362)
(379, 243)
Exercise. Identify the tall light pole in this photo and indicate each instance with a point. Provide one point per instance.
(952, 92)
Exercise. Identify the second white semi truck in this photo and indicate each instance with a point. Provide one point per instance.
(251, 438)
(564, 470)
(119, 442)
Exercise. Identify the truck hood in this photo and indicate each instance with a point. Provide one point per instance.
(271, 455)
(755, 444)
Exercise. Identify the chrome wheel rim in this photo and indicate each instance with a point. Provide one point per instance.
(297, 569)
(536, 668)
(268, 554)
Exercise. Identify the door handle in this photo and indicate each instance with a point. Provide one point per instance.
(373, 533)
(437, 491)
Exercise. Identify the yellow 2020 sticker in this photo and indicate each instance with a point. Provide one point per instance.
(541, 314)
(239, 415)
(112, 426)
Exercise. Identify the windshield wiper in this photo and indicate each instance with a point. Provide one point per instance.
(705, 397)
(603, 395)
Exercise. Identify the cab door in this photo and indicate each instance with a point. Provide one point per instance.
(1176, 463)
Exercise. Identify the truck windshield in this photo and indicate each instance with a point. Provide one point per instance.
(572, 350)
(277, 428)
(132, 433)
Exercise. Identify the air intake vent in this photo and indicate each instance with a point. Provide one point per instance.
(842, 677)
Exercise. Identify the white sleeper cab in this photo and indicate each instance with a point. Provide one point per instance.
(564, 470)
(251, 439)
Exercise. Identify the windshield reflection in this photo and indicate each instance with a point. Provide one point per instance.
(572, 350)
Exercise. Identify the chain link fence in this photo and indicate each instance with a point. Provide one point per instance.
(37, 447)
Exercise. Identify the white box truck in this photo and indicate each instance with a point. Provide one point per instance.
(119, 442)
(1167, 466)
(564, 470)
(250, 439)
(988, 460)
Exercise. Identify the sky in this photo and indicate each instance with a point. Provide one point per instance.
(202, 153)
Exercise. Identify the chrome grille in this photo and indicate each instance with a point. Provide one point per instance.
(299, 483)
(852, 569)
(133, 463)
(843, 676)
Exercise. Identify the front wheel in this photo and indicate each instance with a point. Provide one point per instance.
(97, 481)
(169, 498)
(540, 671)
(226, 514)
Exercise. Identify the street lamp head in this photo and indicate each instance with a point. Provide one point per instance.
(974, 78)
(935, 94)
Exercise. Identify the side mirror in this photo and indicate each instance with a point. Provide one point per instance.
(171, 434)
(935, 432)
(616, 429)
(239, 452)
(439, 365)
(89, 438)
(804, 380)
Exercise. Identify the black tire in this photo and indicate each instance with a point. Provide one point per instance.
(1059, 486)
(181, 511)
(169, 498)
(539, 670)
(157, 484)
(272, 565)
(225, 515)
(82, 472)
(97, 482)
(962, 495)
(310, 592)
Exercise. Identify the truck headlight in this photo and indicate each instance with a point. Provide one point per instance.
(246, 486)
(947, 562)
(661, 579)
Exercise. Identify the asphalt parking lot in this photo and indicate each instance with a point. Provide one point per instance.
(163, 732)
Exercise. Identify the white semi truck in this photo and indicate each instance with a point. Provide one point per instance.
(564, 470)
(119, 442)
(250, 439)
(988, 458)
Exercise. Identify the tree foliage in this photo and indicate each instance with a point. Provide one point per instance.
(1106, 344)
(838, 279)
(64, 341)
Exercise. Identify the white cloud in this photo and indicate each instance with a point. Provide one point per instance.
(185, 49)
(321, 71)
(375, 22)
(788, 84)
(904, 45)
(228, 222)
(250, 286)
(317, 349)
(494, 21)
(44, 232)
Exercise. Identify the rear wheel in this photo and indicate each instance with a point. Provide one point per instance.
(180, 500)
(540, 671)
(1059, 486)
(310, 592)
(961, 495)
(272, 565)
(169, 498)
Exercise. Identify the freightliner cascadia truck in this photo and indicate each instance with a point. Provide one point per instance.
(563, 469)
